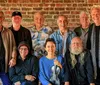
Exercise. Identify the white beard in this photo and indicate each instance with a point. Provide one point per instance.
(76, 51)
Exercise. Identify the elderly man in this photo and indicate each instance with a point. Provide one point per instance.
(82, 30)
(62, 36)
(79, 63)
(94, 41)
(20, 32)
(39, 33)
(7, 50)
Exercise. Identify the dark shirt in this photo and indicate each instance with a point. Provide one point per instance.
(81, 74)
(2, 55)
(97, 29)
(27, 67)
(22, 34)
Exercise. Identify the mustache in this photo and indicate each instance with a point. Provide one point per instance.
(76, 51)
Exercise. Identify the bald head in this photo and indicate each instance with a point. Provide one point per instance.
(38, 20)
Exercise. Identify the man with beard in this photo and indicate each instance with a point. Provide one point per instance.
(79, 63)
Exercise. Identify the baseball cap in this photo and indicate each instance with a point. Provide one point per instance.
(16, 13)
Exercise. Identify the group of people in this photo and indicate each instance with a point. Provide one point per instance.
(62, 57)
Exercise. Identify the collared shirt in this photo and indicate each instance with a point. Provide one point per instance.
(84, 36)
(61, 42)
(39, 38)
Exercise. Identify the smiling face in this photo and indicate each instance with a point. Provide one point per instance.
(95, 14)
(50, 48)
(16, 20)
(84, 20)
(38, 20)
(23, 51)
(76, 46)
(62, 23)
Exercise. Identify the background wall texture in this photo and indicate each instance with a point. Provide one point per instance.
(50, 8)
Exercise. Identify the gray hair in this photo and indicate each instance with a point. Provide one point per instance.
(84, 12)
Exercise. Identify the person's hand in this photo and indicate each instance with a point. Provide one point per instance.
(92, 84)
(49, 84)
(66, 83)
(12, 62)
(30, 77)
(17, 83)
(56, 62)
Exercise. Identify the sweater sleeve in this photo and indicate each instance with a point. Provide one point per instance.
(35, 66)
(42, 75)
(14, 77)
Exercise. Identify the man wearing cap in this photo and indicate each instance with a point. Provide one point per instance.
(7, 50)
(20, 32)
(25, 71)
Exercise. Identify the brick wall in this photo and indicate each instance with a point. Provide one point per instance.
(50, 8)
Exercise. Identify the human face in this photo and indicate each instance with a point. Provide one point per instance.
(76, 46)
(1, 18)
(50, 48)
(84, 20)
(16, 20)
(38, 20)
(23, 50)
(62, 23)
(95, 14)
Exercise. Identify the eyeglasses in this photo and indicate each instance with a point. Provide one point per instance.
(25, 49)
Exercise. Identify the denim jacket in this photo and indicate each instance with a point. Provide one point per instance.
(60, 42)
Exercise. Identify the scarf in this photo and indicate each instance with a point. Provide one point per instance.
(74, 61)
(93, 51)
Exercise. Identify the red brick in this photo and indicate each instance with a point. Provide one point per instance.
(26, 9)
(8, 12)
(67, 1)
(58, 5)
(54, 12)
(59, 8)
(48, 9)
(35, 1)
(75, 12)
(57, 1)
(93, 1)
(39, 8)
(46, 1)
(65, 12)
(14, 9)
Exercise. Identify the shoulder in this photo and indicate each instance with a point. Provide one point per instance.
(59, 57)
(77, 29)
(6, 30)
(42, 59)
(57, 32)
(24, 28)
(71, 34)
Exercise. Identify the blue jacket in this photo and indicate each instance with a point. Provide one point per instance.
(59, 40)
